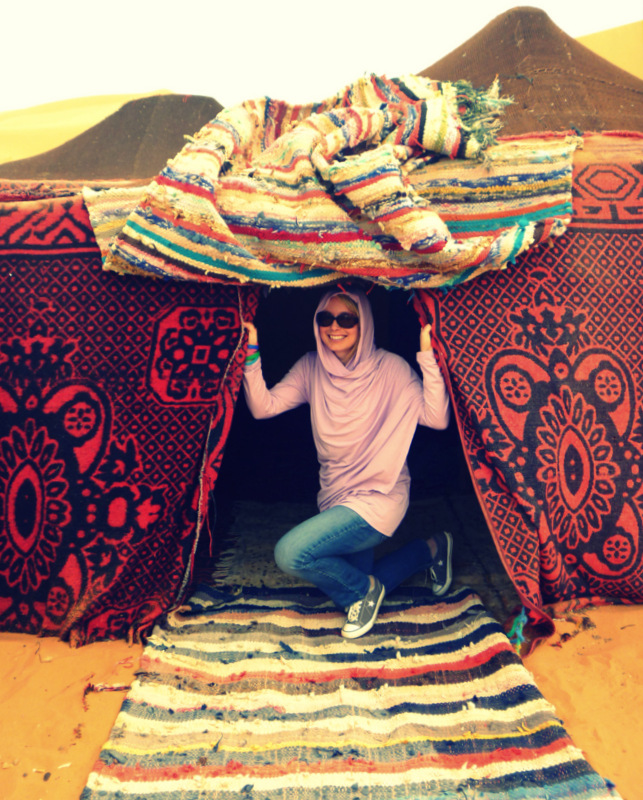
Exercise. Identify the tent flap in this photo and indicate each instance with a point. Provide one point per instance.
(544, 366)
(116, 397)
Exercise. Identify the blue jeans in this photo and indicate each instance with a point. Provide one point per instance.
(334, 551)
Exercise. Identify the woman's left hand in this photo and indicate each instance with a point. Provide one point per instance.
(253, 337)
(425, 338)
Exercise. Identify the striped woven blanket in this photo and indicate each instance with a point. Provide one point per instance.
(397, 181)
(257, 696)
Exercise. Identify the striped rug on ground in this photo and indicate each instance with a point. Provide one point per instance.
(257, 696)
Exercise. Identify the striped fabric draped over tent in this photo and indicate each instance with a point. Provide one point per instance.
(395, 181)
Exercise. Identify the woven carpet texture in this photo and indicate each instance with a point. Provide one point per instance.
(256, 696)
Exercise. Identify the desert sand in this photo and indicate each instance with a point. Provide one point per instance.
(622, 46)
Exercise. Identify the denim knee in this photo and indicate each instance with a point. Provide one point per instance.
(287, 557)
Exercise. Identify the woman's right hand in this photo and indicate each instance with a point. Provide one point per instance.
(425, 338)
(251, 329)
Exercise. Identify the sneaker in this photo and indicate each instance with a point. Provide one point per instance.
(440, 570)
(362, 614)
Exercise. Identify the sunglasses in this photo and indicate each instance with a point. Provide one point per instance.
(345, 320)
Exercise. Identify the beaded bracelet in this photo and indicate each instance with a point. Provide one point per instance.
(252, 357)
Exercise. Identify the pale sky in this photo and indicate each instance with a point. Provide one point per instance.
(291, 50)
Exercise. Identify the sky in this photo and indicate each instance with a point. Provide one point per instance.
(294, 50)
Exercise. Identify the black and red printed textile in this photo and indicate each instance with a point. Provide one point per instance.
(117, 392)
(545, 365)
(116, 396)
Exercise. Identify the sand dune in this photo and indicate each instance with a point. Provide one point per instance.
(34, 130)
(623, 46)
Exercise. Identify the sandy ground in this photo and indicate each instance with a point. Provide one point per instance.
(591, 672)
(53, 726)
(59, 704)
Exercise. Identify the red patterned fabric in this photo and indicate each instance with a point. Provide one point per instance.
(116, 395)
(546, 370)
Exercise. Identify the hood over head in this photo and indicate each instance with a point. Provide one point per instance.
(366, 357)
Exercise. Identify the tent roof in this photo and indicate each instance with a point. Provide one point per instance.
(556, 82)
(134, 142)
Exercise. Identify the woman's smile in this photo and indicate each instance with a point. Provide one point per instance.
(341, 341)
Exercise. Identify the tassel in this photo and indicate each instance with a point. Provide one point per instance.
(516, 633)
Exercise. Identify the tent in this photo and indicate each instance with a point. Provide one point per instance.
(134, 142)
(117, 390)
(555, 81)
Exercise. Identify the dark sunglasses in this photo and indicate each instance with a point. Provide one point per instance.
(344, 320)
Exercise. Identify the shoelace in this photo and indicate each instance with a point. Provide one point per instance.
(432, 572)
(353, 611)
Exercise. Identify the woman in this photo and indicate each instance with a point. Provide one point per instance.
(365, 404)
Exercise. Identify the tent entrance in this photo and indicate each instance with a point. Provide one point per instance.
(268, 479)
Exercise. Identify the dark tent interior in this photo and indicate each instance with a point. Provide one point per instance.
(268, 479)
(275, 459)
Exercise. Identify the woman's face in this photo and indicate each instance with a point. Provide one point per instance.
(341, 341)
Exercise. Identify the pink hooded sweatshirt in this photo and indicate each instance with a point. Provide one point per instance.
(363, 416)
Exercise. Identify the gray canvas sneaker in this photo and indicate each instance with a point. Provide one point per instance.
(362, 614)
(440, 570)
